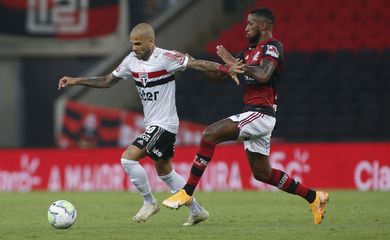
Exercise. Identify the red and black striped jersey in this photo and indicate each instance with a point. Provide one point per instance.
(255, 93)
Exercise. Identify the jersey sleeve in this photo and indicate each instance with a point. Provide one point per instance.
(173, 62)
(273, 52)
(123, 70)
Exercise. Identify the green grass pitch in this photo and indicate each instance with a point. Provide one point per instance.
(233, 215)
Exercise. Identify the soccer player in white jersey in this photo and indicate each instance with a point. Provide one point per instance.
(152, 69)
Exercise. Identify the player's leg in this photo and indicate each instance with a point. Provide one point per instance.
(221, 131)
(257, 151)
(218, 132)
(175, 182)
(262, 171)
(130, 162)
(162, 152)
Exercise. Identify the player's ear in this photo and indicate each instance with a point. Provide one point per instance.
(151, 42)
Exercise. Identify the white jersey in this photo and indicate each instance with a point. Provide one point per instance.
(155, 82)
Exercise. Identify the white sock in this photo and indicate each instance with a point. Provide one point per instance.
(139, 178)
(176, 182)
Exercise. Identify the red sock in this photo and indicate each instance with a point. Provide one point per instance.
(199, 165)
(288, 184)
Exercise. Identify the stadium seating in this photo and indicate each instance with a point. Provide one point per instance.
(319, 25)
(336, 79)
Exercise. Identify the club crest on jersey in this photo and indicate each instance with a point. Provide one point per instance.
(143, 77)
(272, 50)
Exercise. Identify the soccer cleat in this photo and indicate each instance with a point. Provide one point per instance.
(196, 218)
(146, 212)
(178, 199)
(319, 205)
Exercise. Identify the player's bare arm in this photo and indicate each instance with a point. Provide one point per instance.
(212, 69)
(106, 81)
(261, 73)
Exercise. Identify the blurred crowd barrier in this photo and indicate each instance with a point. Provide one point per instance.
(86, 125)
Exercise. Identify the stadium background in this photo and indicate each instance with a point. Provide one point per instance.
(333, 119)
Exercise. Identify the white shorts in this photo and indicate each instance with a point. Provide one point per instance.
(255, 131)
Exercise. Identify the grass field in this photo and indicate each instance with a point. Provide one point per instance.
(233, 215)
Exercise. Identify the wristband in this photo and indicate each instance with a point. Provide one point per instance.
(224, 68)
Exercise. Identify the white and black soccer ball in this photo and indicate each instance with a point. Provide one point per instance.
(62, 214)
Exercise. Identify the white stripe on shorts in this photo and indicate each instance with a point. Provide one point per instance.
(249, 119)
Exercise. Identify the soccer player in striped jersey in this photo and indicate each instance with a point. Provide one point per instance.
(262, 64)
(152, 70)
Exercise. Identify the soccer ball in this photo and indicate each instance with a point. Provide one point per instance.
(61, 214)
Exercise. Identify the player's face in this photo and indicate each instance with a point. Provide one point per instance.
(142, 46)
(252, 29)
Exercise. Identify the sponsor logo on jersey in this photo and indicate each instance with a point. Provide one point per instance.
(148, 96)
(272, 51)
(173, 57)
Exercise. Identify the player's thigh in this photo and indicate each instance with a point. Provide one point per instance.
(253, 125)
(134, 153)
(221, 131)
(260, 166)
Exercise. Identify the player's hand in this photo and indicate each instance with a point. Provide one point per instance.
(65, 81)
(225, 55)
(234, 69)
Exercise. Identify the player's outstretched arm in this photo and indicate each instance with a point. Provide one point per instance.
(211, 69)
(215, 70)
(106, 81)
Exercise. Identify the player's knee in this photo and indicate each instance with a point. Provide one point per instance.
(130, 154)
(209, 134)
(163, 170)
(163, 167)
(262, 176)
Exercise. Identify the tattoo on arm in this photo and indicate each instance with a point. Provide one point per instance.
(106, 81)
(210, 69)
(261, 73)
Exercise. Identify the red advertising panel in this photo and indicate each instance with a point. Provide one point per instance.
(360, 166)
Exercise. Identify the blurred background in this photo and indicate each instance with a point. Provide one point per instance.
(335, 85)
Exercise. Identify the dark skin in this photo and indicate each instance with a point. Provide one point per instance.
(257, 30)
